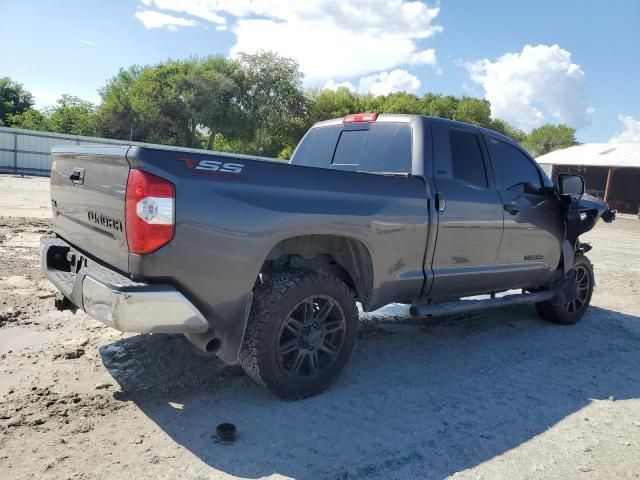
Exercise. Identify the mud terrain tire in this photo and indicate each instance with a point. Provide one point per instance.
(570, 313)
(312, 317)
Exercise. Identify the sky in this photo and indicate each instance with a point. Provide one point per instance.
(548, 61)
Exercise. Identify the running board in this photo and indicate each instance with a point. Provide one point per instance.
(464, 306)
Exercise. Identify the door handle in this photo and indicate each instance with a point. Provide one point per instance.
(440, 202)
(77, 176)
(512, 208)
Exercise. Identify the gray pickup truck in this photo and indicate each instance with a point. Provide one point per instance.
(262, 262)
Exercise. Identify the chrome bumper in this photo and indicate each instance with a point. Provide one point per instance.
(114, 299)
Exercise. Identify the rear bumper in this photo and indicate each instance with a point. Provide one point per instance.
(114, 299)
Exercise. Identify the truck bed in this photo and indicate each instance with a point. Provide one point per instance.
(231, 212)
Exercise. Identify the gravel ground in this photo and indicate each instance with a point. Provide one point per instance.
(497, 395)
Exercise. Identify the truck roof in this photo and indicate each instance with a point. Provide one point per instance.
(409, 118)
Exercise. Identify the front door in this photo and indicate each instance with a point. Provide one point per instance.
(533, 219)
(469, 214)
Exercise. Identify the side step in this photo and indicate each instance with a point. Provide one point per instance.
(464, 306)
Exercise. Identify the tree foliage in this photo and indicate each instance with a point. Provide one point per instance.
(549, 138)
(70, 115)
(14, 99)
(30, 119)
(253, 104)
(273, 98)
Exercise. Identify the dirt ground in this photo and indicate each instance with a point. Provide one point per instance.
(497, 395)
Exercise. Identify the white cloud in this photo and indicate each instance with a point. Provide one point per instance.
(333, 85)
(205, 10)
(45, 98)
(426, 57)
(329, 38)
(48, 98)
(385, 83)
(630, 132)
(90, 43)
(538, 85)
(151, 19)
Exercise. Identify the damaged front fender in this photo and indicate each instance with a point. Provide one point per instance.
(582, 212)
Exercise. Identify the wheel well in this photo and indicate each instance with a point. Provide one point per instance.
(343, 257)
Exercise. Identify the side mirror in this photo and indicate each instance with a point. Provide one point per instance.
(570, 184)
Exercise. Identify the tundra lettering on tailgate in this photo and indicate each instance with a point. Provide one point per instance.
(104, 220)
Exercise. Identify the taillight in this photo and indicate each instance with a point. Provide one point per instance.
(360, 117)
(149, 212)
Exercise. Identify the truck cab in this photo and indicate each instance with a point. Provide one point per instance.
(495, 222)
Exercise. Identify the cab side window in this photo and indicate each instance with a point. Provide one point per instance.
(466, 158)
(512, 168)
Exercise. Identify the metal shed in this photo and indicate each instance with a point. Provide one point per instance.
(611, 171)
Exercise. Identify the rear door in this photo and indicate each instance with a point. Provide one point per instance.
(533, 220)
(88, 199)
(469, 214)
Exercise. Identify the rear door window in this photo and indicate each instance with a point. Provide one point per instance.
(466, 158)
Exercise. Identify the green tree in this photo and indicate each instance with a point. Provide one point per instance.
(72, 115)
(162, 102)
(14, 99)
(548, 138)
(187, 103)
(370, 103)
(116, 115)
(215, 84)
(30, 119)
(273, 98)
(401, 102)
(510, 131)
(327, 104)
(437, 105)
(473, 110)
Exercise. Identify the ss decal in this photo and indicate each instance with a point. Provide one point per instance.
(215, 166)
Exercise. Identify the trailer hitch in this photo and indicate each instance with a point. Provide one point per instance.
(63, 303)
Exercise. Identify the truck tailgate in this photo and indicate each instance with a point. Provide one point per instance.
(88, 199)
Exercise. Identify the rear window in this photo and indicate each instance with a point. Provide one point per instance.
(317, 147)
(350, 146)
(375, 147)
(388, 148)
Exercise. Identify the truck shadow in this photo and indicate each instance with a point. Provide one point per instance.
(419, 399)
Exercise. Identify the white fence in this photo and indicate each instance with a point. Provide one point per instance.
(29, 151)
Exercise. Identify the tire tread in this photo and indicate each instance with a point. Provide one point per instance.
(267, 297)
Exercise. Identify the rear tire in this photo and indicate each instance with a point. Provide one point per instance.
(301, 332)
(571, 312)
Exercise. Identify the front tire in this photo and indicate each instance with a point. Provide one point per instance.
(569, 313)
(301, 332)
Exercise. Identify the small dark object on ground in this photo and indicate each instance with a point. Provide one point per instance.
(73, 354)
(226, 432)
